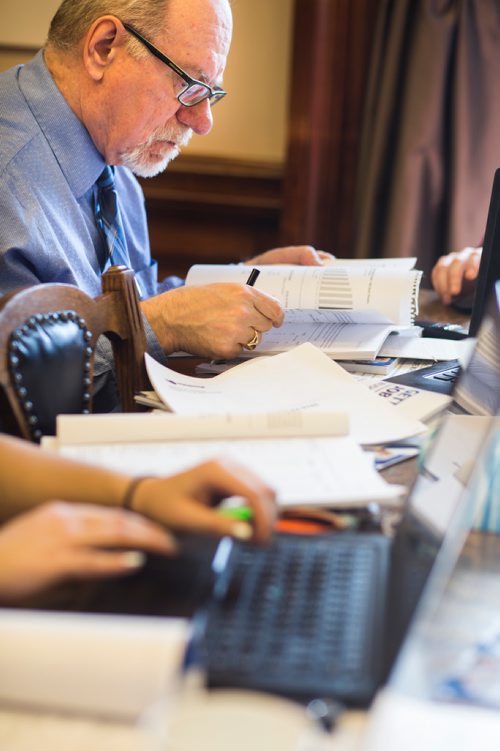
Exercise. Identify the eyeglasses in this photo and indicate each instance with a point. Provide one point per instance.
(195, 91)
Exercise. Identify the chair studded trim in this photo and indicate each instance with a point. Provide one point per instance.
(49, 358)
(48, 337)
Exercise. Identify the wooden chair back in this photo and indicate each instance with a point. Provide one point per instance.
(48, 335)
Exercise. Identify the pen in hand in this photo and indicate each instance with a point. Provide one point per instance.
(250, 282)
(254, 341)
(253, 277)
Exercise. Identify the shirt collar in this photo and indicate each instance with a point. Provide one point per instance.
(66, 135)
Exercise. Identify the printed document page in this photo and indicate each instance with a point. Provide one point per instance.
(417, 404)
(303, 379)
(332, 472)
(349, 293)
(389, 263)
(342, 341)
(118, 427)
(427, 348)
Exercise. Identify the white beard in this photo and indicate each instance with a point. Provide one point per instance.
(143, 163)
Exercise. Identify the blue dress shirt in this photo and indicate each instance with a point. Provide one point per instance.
(48, 169)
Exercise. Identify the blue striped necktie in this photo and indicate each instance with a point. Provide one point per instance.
(109, 223)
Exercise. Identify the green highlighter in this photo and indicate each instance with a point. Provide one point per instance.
(240, 513)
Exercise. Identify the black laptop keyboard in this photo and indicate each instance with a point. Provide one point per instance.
(439, 377)
(450, 375)
(302, 617)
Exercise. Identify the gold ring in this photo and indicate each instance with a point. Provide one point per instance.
(253, 341)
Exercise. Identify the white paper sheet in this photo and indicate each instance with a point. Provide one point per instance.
(459, 443)
(303, 379)
(417, 404)
(155, 426)
(434, 502)
(343, 341)
(389, 263)
(427, 348)
(344, 293)
(99, 665)
(319, 471)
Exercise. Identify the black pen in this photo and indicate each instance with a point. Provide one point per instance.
(253, 277)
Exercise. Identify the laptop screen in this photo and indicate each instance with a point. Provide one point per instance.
(429, 521)
(450, 655)
(458, 437)
(443, 469)
(431, 508)
(456, 608)
(478, 388)
(489, 269)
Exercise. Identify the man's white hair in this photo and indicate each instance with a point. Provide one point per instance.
(74, 17)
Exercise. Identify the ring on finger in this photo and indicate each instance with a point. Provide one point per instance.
(250, 345)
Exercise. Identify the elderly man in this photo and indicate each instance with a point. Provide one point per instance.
(105, 90)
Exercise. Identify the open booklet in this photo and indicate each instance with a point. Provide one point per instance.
(346, 308)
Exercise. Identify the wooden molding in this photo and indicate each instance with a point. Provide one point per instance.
(210, 209)
(225, 166)
(210, 181)
(15, 49)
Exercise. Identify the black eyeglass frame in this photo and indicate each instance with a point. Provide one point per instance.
(213, 95)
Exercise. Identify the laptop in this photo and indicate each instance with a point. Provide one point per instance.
(442, 376)
(317, 616)
(444, 683)
(476, 390)
(324, 616)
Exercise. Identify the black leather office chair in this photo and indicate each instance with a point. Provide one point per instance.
(48, 334)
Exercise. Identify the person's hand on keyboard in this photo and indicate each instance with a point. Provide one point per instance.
(60, 541)
(187, 501)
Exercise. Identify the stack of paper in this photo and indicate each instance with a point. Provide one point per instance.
(303, 379)
(321, 471)
(286, 416)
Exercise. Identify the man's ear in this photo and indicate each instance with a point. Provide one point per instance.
(101, 44)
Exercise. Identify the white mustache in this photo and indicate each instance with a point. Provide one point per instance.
(171, 135)
(136, 159)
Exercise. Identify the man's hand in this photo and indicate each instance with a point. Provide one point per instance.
(452, 271)
(60, 541)
(302, 255)
(185, 502)
(213, 320)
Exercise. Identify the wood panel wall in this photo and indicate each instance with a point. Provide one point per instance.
(209, 210)
(220, 210)
(331, 54)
